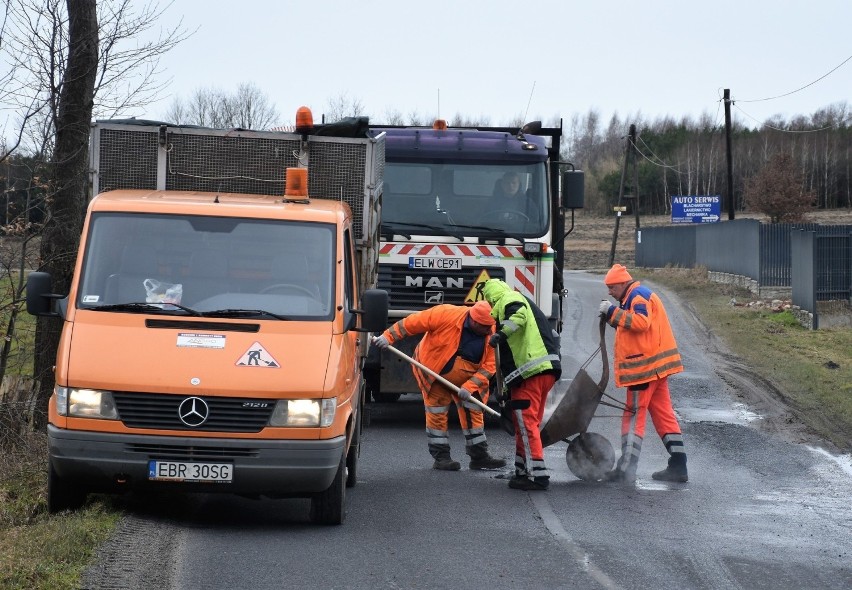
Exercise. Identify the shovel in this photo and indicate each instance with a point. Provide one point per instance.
(449, 385)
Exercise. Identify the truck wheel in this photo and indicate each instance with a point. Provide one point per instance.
(374, 382)
(62, 495)
(327, 507)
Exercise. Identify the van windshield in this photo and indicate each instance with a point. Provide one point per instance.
(208, 264)
(469, 199)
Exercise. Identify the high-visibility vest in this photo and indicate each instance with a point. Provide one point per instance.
(645, 347)
(442, 326)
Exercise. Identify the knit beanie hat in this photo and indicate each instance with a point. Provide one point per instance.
(617, 274)
(481, 313)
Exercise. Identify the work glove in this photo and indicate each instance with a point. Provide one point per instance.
(381, 342)
(495, 339)
(604, 308)
(464, 394)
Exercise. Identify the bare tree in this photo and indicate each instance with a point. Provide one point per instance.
(69, 60)
(777, 191)
(342, 106)
(247, 108)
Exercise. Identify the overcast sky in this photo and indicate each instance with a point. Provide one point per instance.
(504, 58)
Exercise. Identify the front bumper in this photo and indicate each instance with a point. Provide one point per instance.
(107, 462)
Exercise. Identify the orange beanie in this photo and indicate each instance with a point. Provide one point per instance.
(617, 274)
(481, 313)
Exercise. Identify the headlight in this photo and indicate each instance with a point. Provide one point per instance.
(303, 412)
(85, 403)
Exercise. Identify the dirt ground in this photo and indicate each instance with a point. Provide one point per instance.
(589, 244)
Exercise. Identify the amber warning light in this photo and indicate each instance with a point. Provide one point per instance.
(304, 120)
(297, 183)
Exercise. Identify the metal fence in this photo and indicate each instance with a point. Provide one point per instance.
(814, 260)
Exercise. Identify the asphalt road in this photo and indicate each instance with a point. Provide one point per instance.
(759, 511)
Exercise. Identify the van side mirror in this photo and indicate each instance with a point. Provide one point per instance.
(573, 189)
(39, 296)
(374, 310)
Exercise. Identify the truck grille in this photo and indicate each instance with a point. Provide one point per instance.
(407, 288)
(191, 452)
(160, 411)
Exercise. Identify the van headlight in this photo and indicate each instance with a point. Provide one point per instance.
(85, 403)
(303, 412)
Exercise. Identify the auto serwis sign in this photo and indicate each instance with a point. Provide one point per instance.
(696, 208)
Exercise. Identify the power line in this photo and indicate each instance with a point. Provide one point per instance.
(798, 89)
(768, 126)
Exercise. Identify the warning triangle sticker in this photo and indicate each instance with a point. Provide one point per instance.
(475, 294)
(257, 356)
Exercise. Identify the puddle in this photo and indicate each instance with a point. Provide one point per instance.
(715, 411)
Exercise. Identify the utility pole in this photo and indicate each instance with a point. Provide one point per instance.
(629, 155)
(727, 98)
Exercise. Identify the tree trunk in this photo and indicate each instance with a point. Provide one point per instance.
(69, 182)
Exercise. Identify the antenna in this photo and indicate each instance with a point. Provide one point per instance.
(528, 103)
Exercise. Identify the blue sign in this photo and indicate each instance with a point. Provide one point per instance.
(696, 208)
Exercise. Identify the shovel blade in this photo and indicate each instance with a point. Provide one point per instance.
(575, 410)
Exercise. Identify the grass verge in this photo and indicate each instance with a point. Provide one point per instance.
(811, 368)
(39, 551)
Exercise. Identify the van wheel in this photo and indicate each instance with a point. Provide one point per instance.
(354, 453)
(62, 495)
(327, 507)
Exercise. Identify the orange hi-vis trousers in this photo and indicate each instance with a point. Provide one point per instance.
(437, 401)
(535, 389)
(657, 401)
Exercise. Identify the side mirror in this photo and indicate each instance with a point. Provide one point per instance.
(374, 304)
(573, 189)
(39, 296)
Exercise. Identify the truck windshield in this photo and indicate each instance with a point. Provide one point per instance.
(477, 200)
(208, 264)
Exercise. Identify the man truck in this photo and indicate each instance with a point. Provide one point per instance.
(217, 323)
(464, 205)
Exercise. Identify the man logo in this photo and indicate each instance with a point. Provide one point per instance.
(435, 282)
(193, 411)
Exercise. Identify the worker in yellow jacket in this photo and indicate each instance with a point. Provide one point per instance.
(646, 354)
(454, 345)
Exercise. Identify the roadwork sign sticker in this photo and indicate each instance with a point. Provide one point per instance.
(257, 356)
(475, 294)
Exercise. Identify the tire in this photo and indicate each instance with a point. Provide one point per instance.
(328, 507)
(62, 495)
(354, 451)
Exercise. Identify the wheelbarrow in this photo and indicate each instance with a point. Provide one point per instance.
(589, 455)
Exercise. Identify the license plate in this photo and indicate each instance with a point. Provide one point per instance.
(190, 472)
(430, 262)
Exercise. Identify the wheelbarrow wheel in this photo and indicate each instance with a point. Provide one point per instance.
(590, 456)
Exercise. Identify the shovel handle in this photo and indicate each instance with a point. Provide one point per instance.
(451, 386)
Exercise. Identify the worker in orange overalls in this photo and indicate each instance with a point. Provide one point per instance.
(454, 345)
(645, 355)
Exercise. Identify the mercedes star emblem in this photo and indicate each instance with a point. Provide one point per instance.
(193, 411)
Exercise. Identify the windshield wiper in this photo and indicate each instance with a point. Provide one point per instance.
(241, 313)
(138, 307)
(496, 230)
(391, 226)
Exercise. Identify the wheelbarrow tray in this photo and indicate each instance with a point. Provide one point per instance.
(575, 410)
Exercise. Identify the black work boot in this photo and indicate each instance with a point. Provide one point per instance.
(523, 482)
(676, 470)
(480, 459)
(443, 461)
(446, 464)
(622, 474)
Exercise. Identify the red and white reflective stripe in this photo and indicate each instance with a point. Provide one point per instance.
(452, 250)
(525, 280)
